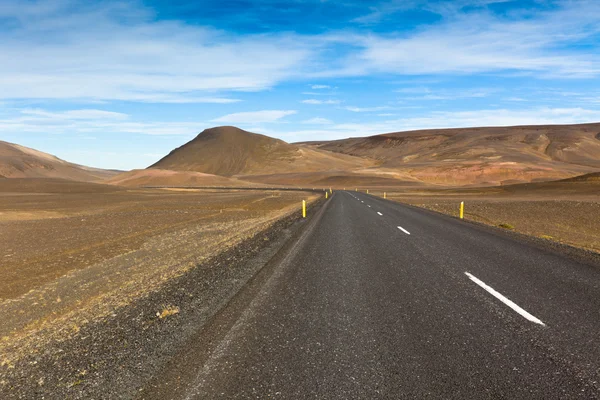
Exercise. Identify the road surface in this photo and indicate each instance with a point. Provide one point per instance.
(377, 300)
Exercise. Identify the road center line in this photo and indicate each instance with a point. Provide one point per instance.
(505, 300)
(379, 213)
(404, 230)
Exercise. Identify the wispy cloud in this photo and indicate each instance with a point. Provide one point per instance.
(541, 44)
(87, 122)
(320, 87)
(118, 51)
(446, 119)
(317, 121)
(255, 117)
(446, 94)
(366, 109)
(317, 101)
(85, 114)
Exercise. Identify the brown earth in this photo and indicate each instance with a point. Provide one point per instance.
(337, 179)
(22, 162)
(162, 177)
(71, 253)
(566, 211)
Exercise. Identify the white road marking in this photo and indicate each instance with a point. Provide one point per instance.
(362, 201)
(505, 300)
(404, 230)
(368, 206)
(379, 213)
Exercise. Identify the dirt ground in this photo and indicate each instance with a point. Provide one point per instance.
(565, 212)
(73, 253)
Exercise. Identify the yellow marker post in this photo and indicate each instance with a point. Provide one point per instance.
(303, 208)
(462, 210)
(356, 190)
(330, 191)
(384, 195)
(326, 195)
(367, 191)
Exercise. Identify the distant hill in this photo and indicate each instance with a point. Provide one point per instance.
(593, 177)
(443, 157)
(230, 151)
(492, 155)
(161, 177)
(22, 162)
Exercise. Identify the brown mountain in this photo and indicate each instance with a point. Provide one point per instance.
(495, 155)
(230, 151)
(447, 157)
(22, 162)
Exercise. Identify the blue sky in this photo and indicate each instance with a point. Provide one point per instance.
(118, 84)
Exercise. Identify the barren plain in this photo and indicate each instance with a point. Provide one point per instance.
(73, 253)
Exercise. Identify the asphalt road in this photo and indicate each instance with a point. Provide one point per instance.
(381, 300)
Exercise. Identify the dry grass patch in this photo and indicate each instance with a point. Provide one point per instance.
(167, 311)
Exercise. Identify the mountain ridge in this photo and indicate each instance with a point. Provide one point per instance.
(17, 161)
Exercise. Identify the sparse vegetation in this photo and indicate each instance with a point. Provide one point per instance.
(506, 226)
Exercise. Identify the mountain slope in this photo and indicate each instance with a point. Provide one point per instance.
(230, 151)
(480, 155)
(22, 162)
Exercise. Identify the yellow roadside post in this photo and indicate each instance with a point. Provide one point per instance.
(303, 208)
(462, 210)
(367, 191)
(326, 195)
(384, 195)
(356, 190)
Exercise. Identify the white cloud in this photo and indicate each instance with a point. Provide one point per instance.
(317, 121)
(85, 114)
(446, 119)
(255, 117)
(88, 123)
(542, 44)
(317, 102)
(445, 94)
(366, 109)
(119, 51)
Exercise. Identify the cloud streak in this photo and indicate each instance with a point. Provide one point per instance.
(254, 117)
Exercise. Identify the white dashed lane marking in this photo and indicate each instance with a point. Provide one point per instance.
(404, 230)
(505, 300)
